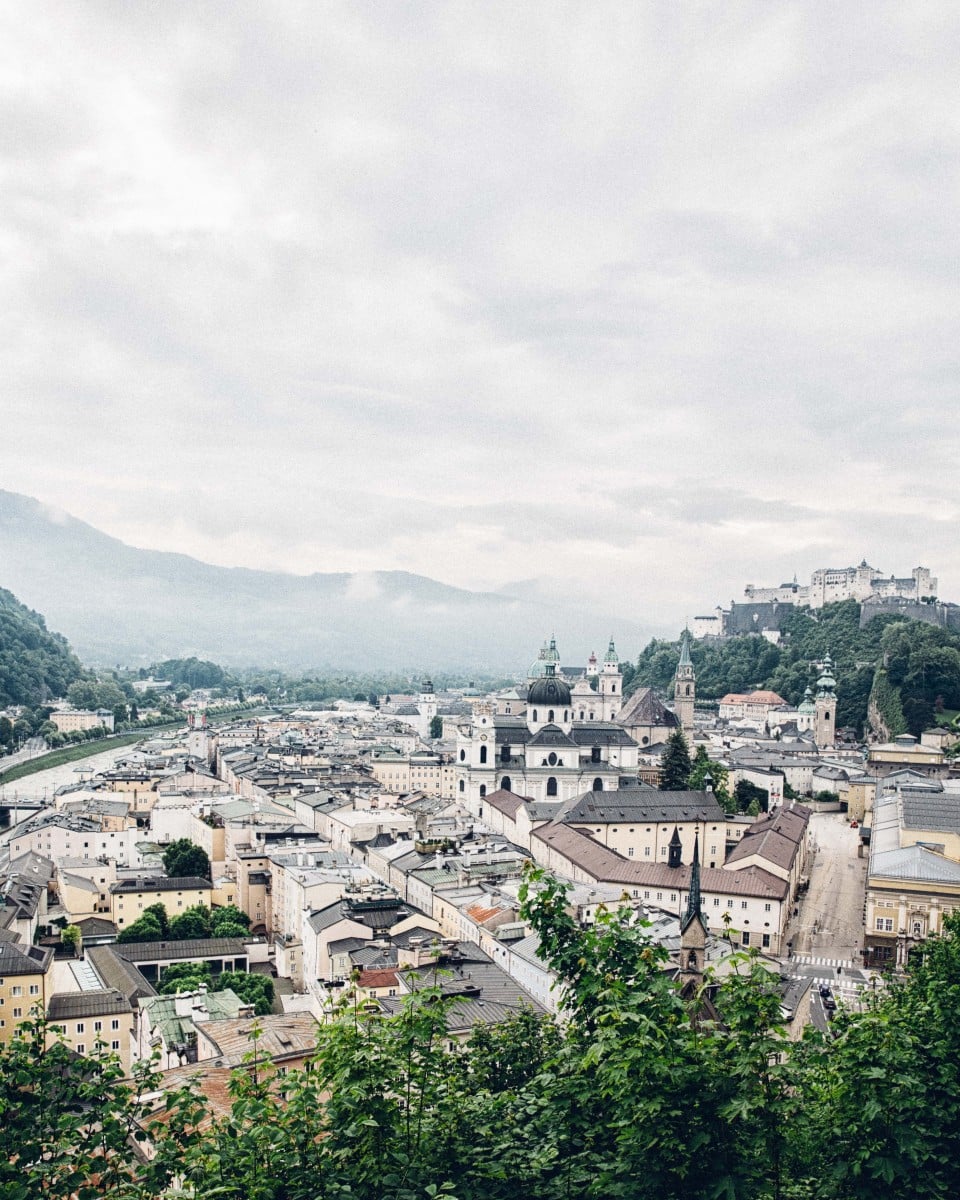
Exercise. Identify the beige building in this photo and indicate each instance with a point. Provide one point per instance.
(129, 897)
(25, 977)
(913, 876)
(73, 720)
(94, 1022)
(904, 753)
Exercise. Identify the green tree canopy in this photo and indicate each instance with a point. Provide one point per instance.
(193, 922)
(182, 858)
(675, 764)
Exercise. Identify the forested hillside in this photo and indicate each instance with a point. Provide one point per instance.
(35, 664)
(922, 676)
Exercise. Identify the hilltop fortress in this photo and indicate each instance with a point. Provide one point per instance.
(763, 609)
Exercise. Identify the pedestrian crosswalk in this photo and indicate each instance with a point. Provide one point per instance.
(811, 960)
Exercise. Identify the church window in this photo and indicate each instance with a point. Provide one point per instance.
(552, 786)
(550, 716)
(644, 740)
(505, 754)
(566, 715)
(581, 714)
(505, 783)
(483, 754)
(463, 755)
(462, 785)
(552, 759)
(687, 692)
(598, 784)
(535, 714)
(595, 754)
(613, 688)
(483, 790)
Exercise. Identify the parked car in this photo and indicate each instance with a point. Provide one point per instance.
(854, 823)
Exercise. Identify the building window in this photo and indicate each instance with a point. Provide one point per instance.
(552, 786)
(462, 785)
(81, 1048)
(483, 790)
(716, 902)
(34, 989)
(885, 924)
(115, 1023)
(729, 904)
(598, 785)
(767, 907)
(743, 904)
(765, 940)
(505, 783)
(114, 1045)
(629, 852)
(97, 1026)
(713, 849)
(16, 990)
(79, 1027)
(745, 939)
(534, 714)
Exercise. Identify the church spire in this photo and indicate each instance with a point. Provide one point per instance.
(685, 659)
(693, 900)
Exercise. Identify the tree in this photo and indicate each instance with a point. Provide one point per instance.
(228, 914)
(251, 988)
(193, 922)
(436, 727)
(675, 764)
(704, 768)
(746, 794)
(145, 929)
(182, 858)
(72, 939)
(159, 913)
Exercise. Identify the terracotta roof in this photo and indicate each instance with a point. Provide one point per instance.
(378, 979)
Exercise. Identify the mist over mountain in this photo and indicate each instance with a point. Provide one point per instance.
(121, 605)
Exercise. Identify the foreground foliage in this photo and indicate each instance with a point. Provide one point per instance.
(639, 1093)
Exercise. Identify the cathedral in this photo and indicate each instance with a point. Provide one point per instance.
(563, 741)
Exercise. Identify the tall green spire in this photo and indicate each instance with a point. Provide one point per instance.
(685, 659)
(693, 900)
(611, 655)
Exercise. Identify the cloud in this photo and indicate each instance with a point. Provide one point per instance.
(636, 303)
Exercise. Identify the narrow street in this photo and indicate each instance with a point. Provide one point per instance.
(827, 934)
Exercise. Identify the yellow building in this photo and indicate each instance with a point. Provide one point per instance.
(913, 877)
(129, 897)
(24, 980)
(94, 1023)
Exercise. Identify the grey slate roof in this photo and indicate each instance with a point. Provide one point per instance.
(643, 804)
(155, 883)
(931, 810)
(644, 707)
(99, 1003)
(23, 960)
(135, 952)
(915, 862)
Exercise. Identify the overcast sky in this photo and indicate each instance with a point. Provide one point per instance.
(654, 299)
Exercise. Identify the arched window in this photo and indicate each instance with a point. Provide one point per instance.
(506, 783)
(550, 716)
(581, 714)
(535, 714)
(462, 785)
(463, 755)
(483, 754)
(688, 689)
(483, 790)
(613, 688)
(598, 784)
(552, 786)
(692, 960)
(566, 715)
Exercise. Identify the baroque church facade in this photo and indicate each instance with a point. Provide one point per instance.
(563, 740)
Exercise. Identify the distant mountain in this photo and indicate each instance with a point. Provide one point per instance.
(118, 604)
(35, 664)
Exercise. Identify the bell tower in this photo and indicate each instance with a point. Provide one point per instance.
(693, 927)
(685, 686)
(825, 720)
(610, 684)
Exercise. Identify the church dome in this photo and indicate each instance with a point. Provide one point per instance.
(549, 692)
